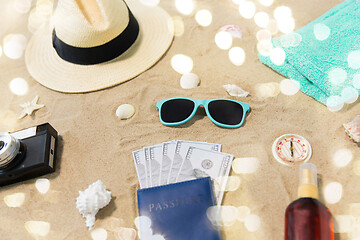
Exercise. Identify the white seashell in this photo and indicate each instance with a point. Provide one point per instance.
(91, 200)
(189, 80)
(125, 111)
(235, 90)
(353, 128)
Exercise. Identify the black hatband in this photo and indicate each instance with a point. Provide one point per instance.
(102, 53)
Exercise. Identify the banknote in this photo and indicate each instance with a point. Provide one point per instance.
(181, 166)
(168, 150)
(155, 156)
(209, 163)
(140, 165)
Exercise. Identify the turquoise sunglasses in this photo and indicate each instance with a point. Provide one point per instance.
(225, 113)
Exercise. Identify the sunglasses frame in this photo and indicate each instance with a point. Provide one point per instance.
(205, 104)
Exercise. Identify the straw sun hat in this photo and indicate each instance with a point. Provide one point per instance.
(94, 44)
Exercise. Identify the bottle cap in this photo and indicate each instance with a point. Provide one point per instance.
(308, 174)
(308, 181)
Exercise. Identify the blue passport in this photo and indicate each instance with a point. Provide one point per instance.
(178, 211)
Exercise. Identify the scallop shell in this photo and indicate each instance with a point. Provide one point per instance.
(234, 30)
(189, 80)
(91, 200)
(125, 111)
(353, 129)
(235, 90)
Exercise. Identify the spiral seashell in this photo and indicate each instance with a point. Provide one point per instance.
(91, 201)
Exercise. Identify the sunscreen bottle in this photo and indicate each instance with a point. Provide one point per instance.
(307, 218)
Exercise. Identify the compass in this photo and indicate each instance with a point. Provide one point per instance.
(291, 149)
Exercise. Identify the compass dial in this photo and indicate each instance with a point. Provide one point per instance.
(290, 149)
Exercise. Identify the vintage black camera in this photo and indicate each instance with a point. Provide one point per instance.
(28, 153)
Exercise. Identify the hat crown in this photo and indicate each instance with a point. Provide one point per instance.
(90, 23)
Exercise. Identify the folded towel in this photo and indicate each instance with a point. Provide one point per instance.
(324, 56)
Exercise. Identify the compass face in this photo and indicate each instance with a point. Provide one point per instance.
(291, 149)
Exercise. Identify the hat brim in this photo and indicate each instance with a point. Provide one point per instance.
(47, 68)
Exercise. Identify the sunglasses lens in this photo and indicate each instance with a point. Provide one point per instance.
(176, 110)
(226, 112)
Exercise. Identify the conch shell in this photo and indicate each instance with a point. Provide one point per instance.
(353, 128)
(91, 200)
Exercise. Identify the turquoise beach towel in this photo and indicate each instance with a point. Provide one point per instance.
(324, 56)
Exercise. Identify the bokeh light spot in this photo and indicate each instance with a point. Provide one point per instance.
(150, 2)
(335, 103)
(356, 81)
(228, 215)
(247, 9)
(337, 75)
(19, 86)
(223, 40)
(265, 47)
(243, 213)
(14, 45)
(286, 25)
(232, 183)
(185, 7)
(223, 215)
(182, 63)
(203, 17)
(38, 228)
(333, 192)
(14, 200)
(252, 223)
(277, 56)
(266, 90)
(321, 31)
(354, 59)
(42, 185)
(290, 40)
(35, 20)
(343, 223)
(342, 157)
(122, 233)
(44, 8)
(282, 13)
(22, 6)
(273, 26)
(237, 56)
(179, 27)
(99, 234)
(263, 34)
(143, 221)
(157, 237)
(289, 86)
(245, 165)
(145, 233)
(349, 95)
(261, 19)
(266, 3)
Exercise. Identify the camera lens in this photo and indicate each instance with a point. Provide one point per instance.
(9, 149)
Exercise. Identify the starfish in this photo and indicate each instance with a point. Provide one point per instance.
(30, 107)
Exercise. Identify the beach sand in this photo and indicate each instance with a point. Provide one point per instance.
(94, 144)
